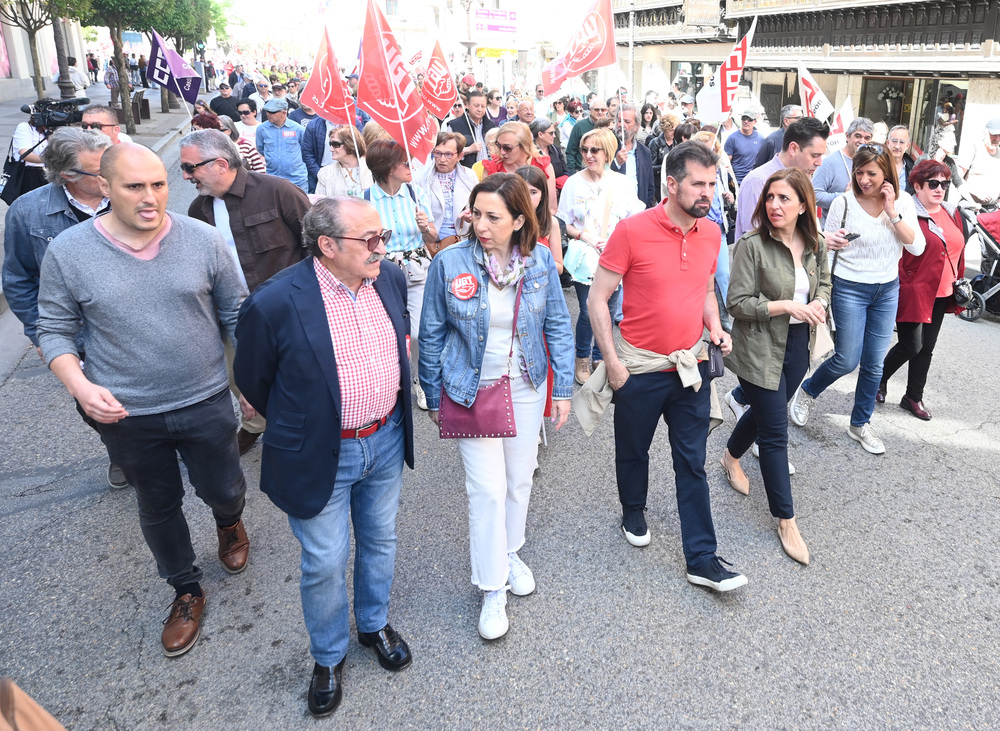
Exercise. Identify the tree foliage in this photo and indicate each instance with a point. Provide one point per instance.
(33, 15)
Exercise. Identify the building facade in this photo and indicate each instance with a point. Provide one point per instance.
(16, 67)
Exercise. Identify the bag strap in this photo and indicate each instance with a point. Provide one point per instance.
(513, 330)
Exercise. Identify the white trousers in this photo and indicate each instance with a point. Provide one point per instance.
(414, 304)
(498, 476)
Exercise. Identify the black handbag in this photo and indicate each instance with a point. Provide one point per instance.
(12, 180)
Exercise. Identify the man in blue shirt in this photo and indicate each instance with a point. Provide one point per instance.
(743, 147)
(279, 140)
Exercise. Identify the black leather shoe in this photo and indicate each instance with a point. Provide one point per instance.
(325, 689)
(393, 652)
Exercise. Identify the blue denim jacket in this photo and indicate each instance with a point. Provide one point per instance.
(453, 331)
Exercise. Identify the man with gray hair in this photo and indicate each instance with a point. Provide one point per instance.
(259, 217)
(632, 160)
(833, 178)
(772, 143)
(321, 351)
(898, 142)
(73, 195)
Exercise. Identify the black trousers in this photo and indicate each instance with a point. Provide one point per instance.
(916, 345)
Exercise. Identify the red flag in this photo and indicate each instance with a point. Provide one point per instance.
(326, 91)
(387, 92)
(438, 91)
(592, 47)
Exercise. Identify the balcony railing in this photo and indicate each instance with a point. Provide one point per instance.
(744, 8)
(664, 32)
(623, 6)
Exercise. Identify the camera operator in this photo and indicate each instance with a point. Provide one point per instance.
(29, 144)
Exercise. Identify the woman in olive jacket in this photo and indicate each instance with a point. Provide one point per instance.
(778, 294)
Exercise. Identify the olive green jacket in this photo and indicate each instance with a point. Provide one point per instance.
(763, 271)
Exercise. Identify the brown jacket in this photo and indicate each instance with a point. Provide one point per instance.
(265, 215)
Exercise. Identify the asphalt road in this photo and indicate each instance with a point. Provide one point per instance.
(893, 625)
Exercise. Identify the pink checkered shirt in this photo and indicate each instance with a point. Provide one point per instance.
(364, 343)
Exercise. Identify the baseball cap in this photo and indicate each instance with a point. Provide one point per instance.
(353, 76)
(687, 99)
(224, 85)
(750, 113)
(275, 105)
(469, 79)
(993, 126)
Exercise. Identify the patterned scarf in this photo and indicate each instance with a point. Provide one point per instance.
(510, 274)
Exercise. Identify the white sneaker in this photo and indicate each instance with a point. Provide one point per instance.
(520, 578)
(866, 438)
(493, 619)
(421, 397)
(756, 453)
(735, 406)
(801, 407)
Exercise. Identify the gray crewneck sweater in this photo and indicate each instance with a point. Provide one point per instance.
(152, 327)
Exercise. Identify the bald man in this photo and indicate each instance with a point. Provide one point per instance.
(146, 290)
(526, 111)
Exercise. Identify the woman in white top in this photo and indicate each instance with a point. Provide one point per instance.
(592, 203)
(868, 227)
(29, 143)
(347, 174)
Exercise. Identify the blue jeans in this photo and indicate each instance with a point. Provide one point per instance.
(639, 404)
(722, 269)
(586, 346)
(864, 315)
(369, 477)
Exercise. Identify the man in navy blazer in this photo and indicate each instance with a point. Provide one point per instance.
(322, 354)
(636, 154)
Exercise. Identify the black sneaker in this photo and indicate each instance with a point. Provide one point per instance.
(116, 478)
(714, 576)
(634, 526)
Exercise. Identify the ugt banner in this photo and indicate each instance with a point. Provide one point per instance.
(592, 47)
(326, 91)
(387, 92)
(715, 99)
(438, 91)
(167, 68)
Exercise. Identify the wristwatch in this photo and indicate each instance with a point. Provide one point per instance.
(897, 219)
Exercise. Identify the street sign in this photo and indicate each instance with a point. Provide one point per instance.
(488, 23)
(496, 53)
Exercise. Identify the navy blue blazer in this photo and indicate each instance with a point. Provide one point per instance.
(644, 174)
(286, 368)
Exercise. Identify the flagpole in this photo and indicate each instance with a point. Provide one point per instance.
(181, 95)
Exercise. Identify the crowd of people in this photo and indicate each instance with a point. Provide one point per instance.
(330, 283)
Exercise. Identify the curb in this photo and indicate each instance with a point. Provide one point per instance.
(172, 135)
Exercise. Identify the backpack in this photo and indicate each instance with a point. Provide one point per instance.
(409, 189)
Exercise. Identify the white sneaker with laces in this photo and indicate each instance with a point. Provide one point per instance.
(520, 578)
(421, 397)
(801, 407)
(865, 436)
(756, 453)
(493, 618)
(735, 406)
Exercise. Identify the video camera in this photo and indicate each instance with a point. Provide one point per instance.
(51, 113)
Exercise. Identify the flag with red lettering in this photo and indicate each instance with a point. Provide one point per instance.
(438, 91)
(814, 101)
(838, 130)
(386, 91)
(325, 90)
(715, 99)
(591, 47)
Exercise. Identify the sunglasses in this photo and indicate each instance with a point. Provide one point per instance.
(189, 168)
(591, 150)
(336, 145)
(95, 125)
(457, 105)
(373, 241)
(747, 119)
(245, 113)
(873, 146)
(932, 184)
(508, 148)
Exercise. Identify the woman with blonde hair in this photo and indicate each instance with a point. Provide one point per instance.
(348, 174)
(515, 148)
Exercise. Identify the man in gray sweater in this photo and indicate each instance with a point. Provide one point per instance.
(147, 290)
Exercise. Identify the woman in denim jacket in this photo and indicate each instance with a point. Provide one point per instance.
(465, 338)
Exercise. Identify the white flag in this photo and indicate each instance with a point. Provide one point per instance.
(838, 130)
(814, 101)
(715, 99)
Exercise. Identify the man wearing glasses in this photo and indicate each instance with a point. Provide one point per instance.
(322, 353)
(279, 140)
(259, 217)
(772, 143)
(473, 125)
(598, 110)
(104, 120)
(898, 143)
(742, 147)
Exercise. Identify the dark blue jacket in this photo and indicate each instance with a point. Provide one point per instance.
(644, 175)
(286, 368)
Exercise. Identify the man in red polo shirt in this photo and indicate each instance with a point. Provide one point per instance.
(666, 258)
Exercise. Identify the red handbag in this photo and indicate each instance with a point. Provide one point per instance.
(491, 415)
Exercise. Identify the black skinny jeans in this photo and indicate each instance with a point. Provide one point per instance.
(916, 345)
(766, 422)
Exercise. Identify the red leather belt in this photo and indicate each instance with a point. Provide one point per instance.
(365, 431)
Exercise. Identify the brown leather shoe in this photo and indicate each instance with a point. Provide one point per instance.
(246, 440)
(182, 628)
(916, 408)
(234, 547)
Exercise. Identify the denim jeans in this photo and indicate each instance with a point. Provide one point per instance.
(766, 422)
(146, 449)
(586, 346)
(864, 314)
(366, 491)
(639, 404)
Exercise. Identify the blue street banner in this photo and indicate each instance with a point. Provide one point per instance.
(167, 68)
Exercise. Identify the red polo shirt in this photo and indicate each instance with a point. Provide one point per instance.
(665, 275)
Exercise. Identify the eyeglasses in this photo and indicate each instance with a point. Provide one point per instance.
(873, 146)
(591, 150)
(373, 241)
(747, 119)
(444, 155)
(508, 148)
(95, 125)
(189, 168)
(932, 184)
(84, 172)
(245, 113)
(336, 145)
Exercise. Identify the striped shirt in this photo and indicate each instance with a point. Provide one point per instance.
(364, 344)
(399, 214)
